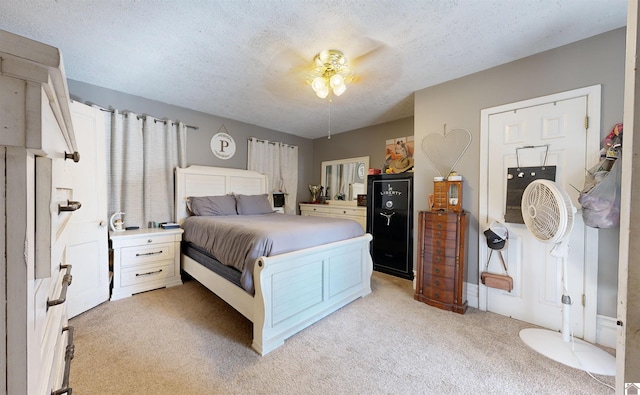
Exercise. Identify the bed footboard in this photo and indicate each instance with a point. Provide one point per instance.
(295, 290)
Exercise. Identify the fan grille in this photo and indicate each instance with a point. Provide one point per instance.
(546, 212)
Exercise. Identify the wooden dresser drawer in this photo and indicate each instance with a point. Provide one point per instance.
(439, 294)
(440, 266)
(132, 256)
(442, 247)
(437, 282)
(147, 273)
(440, 222)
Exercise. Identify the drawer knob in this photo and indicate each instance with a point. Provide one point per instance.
(438, 234)
(75, 156)
(437, 270)
(438, 251)
(437, 295)
(149, 241)
(437, 282)
(439, 226)
(438, 259)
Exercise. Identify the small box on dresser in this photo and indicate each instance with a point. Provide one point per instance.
(442, 240)
(145, 259)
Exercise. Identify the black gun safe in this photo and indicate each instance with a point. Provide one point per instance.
(390, 222)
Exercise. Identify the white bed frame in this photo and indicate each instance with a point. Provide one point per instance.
(292, 290)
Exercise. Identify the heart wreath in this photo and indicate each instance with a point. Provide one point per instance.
(444, 150)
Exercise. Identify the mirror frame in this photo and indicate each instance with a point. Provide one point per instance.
(323, 176)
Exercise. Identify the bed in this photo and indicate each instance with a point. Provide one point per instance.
(291, 290)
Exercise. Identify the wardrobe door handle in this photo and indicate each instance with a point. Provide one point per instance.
(66, 281)
(68, 356)
(71, 206)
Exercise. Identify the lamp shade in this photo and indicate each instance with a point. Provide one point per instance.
(318, 84)
(322, 93)
(336, 80)
(338, 90)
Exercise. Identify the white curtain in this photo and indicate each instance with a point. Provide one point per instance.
(143, 153)
(279, 162)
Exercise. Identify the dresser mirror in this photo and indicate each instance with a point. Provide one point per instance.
(343, 180)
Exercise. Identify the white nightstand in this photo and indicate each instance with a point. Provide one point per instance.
(145, 259)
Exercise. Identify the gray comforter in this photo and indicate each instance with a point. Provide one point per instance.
(238, 240)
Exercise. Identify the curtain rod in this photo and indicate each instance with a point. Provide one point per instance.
(270, 142)
(142, 116)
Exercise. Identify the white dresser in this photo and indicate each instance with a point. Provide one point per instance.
(145, 259)
(37, 151)
(337, 210)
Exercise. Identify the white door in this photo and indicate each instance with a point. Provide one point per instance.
(559, 123)
(87, 248)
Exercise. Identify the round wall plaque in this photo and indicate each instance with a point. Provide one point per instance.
(223, 146)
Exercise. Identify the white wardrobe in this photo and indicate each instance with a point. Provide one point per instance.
(37, 154)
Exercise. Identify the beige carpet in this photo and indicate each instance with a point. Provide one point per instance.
(185, 340)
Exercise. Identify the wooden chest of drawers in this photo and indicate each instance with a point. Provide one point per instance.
(441, 260)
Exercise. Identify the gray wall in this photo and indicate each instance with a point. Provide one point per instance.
(198, 141)
(457, 103)
(369, 141)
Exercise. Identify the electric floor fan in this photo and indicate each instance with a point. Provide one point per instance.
(549, 215)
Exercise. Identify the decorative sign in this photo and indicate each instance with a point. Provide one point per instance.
(222, 144)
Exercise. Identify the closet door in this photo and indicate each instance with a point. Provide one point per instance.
(87, 248)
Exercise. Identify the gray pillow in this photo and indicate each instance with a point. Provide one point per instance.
(253, 204)
(213, 205)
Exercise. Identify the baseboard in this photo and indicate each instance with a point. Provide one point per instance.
(606, 331)
(606, 327)
(472, 294)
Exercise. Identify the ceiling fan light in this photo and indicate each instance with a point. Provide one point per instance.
(336, 81)
(322, 93)
(338, 90)
(318, 84)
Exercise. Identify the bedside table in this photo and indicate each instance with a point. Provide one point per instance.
(145, 259)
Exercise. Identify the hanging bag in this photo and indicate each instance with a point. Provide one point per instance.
(600, 197)
(496, 241)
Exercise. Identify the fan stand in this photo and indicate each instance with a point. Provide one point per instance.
(563, 348)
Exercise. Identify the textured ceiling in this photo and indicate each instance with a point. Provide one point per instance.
(246, 60)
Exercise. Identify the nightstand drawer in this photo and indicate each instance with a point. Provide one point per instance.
(146, 273)
(143, 240)
(132, 256)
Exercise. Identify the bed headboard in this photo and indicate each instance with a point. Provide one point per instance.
(211, 181)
